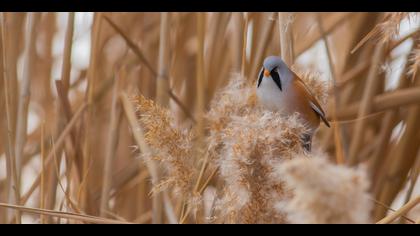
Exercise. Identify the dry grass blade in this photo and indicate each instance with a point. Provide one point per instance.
(382, 102)
(42, 184)
(244, 43)
(182, 106)
(132, 45)
(162, 80)
(365, 108)
(12, 177)
(10, 157)
(65, 72)
(58, 143)
(151, 165)
(339, 153)
(144, 60)
(404, 209)
(66, 215)
(385, 30)
(390, 209)
(286, 38)
(262, 46)
(23, 105)
(112, 145)
(329, 29)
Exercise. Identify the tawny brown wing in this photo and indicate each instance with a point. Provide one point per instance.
(313, 102)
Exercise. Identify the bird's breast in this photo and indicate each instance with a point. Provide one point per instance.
(270, 96)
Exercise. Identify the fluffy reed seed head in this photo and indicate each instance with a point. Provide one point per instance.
(170, 145)
(324, 192)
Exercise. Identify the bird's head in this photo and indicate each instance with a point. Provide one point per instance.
(275, 68)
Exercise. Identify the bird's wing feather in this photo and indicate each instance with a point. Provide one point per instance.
(313, 102)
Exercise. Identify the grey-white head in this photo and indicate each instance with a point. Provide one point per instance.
(276, 69)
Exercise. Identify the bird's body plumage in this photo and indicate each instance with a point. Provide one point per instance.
(289, 100)
(288, 95)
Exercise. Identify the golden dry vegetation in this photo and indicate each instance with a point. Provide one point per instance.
(153, 118)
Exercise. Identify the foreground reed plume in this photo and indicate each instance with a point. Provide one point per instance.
(170, 145)
(324, 193)
(254, 151)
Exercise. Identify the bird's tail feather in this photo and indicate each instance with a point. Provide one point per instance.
(307, 142)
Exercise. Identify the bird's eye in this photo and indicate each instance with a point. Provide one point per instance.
(260, 77)
(276, 77)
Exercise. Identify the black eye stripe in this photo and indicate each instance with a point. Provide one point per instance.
(260, 77)
(276, 77)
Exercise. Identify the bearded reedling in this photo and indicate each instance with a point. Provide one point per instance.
(280, 89)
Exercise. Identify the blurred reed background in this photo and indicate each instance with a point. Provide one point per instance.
(71, 143)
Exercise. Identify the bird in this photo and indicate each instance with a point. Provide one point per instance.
(279, 89)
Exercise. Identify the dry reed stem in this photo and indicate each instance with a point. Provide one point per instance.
(162, 89)
(200, 105)
(382, 102)
(111, 145)
(66, 113)
(182, 106)
(217, 46)
(339, 153)
(148, 65)
(312, 39)
(68, 43)
(384, 31)
(200, 89)
(169, 209)
(162, 80)
(262, 46)
(286, 38)
(413, 180)
(388, 123)
(63, 107)
(390, 209)
(12, 178)
(140, 140)
(197, 189)
(42, 184)
(132, 45)
(406, 149)
(57, 174)
(404, 209)
(7, 184)
(353, 74)
(58, 143)
(24, 95)
(244, 44)
(67, 215)
(365, 108)
(89, 99)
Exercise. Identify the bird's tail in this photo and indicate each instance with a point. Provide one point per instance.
(307, 142)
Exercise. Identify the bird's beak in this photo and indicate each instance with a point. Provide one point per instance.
(266, 73)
